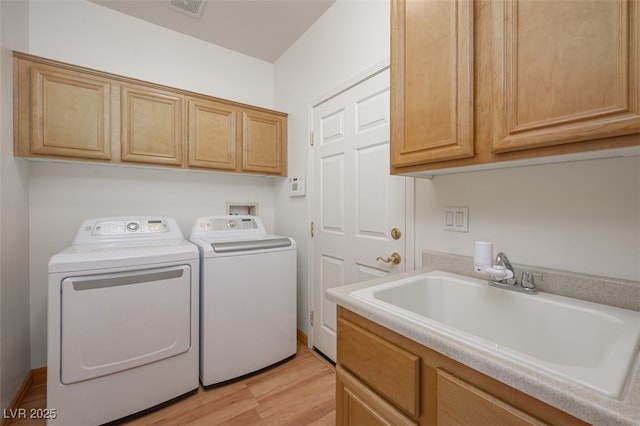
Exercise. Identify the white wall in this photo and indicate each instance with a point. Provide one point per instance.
(63, 194)
(350, 37)
(582, 216)
(14, 208)
(84, 33)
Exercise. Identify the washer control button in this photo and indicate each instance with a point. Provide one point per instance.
(133, 226)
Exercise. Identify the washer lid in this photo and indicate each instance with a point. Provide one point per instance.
(262, 244)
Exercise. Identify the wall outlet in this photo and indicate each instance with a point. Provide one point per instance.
(456, 219)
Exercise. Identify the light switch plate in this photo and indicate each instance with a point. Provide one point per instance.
(456, 219)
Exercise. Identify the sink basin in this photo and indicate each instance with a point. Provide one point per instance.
(589, 344)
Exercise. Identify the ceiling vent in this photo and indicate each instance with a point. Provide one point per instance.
(192, 8)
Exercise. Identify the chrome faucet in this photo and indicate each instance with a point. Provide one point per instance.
(508, 280)
(503, 260)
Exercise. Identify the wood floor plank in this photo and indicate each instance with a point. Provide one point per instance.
(298, 392)
(300, 405)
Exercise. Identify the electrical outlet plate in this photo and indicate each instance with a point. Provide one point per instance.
(456, 219)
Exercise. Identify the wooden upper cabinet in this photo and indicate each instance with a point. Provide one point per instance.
(478, 83)
(212, 134)
(76, 113)
(263, 142)
(570, 72)
(431, 81)
(151, 126)
(69, 113)
(220, 134)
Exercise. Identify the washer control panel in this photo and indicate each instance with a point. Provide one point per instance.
(226, 227)
(126, 227)
(229, 224)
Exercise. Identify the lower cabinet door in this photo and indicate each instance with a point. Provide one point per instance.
(357, 404)
(460, 403)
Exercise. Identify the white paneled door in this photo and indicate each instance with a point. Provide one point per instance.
(356, 203)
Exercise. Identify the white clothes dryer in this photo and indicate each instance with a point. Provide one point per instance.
(247, 296)
(123, 320)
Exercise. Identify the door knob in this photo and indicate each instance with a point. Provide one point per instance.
(396, 234)
(394, 258)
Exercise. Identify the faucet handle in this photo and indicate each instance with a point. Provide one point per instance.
(529, 279)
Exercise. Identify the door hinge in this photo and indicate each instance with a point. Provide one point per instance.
(311, 139)
(313, 229)
(311, 318)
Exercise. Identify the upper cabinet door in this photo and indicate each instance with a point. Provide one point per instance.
(569, 72)
(152, 130)
(264, 138)
(213, 135)
(431, 81)
(70, 113)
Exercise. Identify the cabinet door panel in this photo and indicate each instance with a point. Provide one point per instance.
(571, 72)
(431, 81)
(263, 137)
(152, 129)
(212, 134)
(359, 405)
(363, 353)
(70, 114)
(460, 403)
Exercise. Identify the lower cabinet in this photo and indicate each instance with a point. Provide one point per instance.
(461, 403)
(383, 378)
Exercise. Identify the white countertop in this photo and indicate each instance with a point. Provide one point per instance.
(589, 406)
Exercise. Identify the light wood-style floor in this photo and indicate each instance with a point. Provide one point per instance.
(298, 392)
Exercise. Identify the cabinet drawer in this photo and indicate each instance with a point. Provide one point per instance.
(460, 403)
(363, 353)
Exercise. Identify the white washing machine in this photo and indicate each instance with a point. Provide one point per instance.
(123, 320)
(247, 297)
